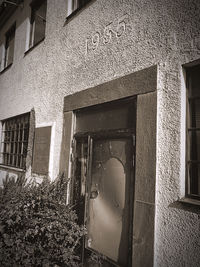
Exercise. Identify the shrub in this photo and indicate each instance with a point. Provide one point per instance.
(36, 227)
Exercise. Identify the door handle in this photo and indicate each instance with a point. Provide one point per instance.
(94, 194)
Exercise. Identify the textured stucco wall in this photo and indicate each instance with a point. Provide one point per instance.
(75, 56)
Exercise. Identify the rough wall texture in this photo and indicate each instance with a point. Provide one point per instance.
(109, 39)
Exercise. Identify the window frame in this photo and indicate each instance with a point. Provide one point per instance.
(190, 140)
(9, 36)
(16, 156)
(35, 5)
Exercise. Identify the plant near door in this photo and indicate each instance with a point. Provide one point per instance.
(36, 227)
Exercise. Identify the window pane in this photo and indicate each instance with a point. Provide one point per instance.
(118, 116)
(73, 5)
(194, 113)
(10, 50)
(194, 82)
(194, 178)
(81, 3)
(40, 23)
(194, 140)
(9, 46)
(79, 182)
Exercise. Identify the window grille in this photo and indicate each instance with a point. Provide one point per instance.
(15, 133)
(193, 132)
(74, 5)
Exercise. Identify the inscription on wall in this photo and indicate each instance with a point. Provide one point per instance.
(110, 33)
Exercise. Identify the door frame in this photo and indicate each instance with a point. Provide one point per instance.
(143, 84)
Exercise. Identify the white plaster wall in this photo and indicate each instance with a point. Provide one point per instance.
(166, 33)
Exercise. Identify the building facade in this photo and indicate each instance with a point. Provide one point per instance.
(108, 93)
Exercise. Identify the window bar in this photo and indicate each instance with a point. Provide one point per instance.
(8, 145)
(14, 145)
(18, 145)
(5, 145)
(22, 147)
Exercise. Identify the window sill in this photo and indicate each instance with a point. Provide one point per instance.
(6, 68)
(190, 201)
(32, 47)
(11, 168)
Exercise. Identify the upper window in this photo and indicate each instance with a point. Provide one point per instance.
(14, 143)
(9, 47)
(193, 132)
(38, 22)
(74, 5)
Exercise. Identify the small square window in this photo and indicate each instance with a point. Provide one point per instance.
(75, 5)
(14, 143)
(193, 132)
(37, 22)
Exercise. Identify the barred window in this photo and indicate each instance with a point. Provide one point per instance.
(193, 133)
(15, 133)
(75, 5)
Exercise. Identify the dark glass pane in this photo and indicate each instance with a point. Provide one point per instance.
(8, 136)
(40, 23)
(4, 147)
(10, 159)
(26, 134)
(194, 178)
(23, 162)
(21, 133)
(18, 161)
(106, 117)
(12, 135)
(5, 159)
(20, 148)
(10, 50)
(15, 160)
(81, 3)
(25, 145)
(9, 46)
(109, 205)
(17, 133)
(80, 179)
(12, 147)
(194, 113)
(194, 145)
(194, 82)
